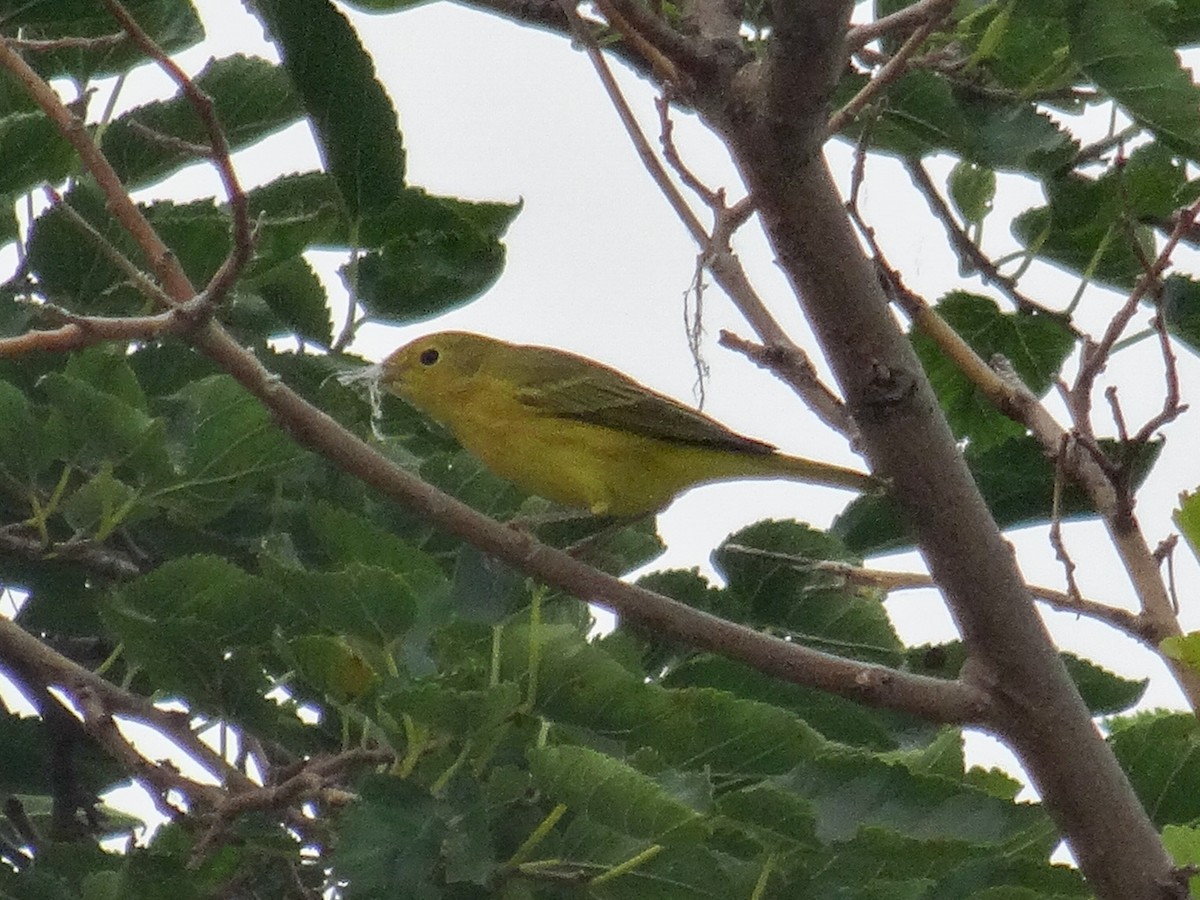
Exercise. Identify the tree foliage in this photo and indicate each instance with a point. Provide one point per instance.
(385, 709)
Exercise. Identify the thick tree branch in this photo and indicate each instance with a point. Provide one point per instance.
(1038, 711)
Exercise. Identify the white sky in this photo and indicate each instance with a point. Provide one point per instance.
(598, 264)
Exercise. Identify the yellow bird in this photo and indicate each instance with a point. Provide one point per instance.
(578, 432)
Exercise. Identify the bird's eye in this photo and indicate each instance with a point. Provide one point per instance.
(429, 357)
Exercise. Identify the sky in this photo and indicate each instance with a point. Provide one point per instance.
(598, 264)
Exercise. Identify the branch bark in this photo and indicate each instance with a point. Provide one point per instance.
(1038, 711)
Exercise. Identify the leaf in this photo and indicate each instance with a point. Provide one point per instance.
(613, 794)
(852, 791)
(972, 189)
(836, 718)
(585, 687)
(353, 119)
(228, 446)
(32, 152)
(252, 98)
(1103, 692)
(24, 450)
(392, 836)
(1035, 344)
(1183, 843)
(1084, 229)
(430, 269)
(1187, 520)
(173, 26)
(923, 114)
(1181, 309)
(194, 626)
(1160, 752)
(1017, 481)
(1118, 48)
(294, 293)
(773, 568)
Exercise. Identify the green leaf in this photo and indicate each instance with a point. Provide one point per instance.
(1035, 344)
(1017, 481)
(1022, 44)
(1104, 692)
(354, 121)
(1187, 520)
(24, 453)
(194, 626)
(1160, 752)
(613, 794)
(32, 152)
(1183, 843)
(332, 666)
(366, 601)
(923, 114)
(836, 718)
(773, 568)
(100, 427)
(70, 267)
(173, 26)
(1127, 57)
(1181, 309)
(392, 836)
(229, 449)
(292, 291)
(1085, 229)
(972, 189)
(440, 261)
(252, 98)
(585, 687)
(852, 791)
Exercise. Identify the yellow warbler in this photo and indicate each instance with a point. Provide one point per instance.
(577, 432)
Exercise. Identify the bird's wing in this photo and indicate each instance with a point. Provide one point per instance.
(561, 384)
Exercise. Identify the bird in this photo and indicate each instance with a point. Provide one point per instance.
(578, 432)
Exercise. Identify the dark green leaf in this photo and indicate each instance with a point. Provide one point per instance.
(773, 567)
(251, 99)
(296, 296)
(1017, 481)
(924, 114)
(1115, 45)
(1181, 309)
(355, 123)
(972, 188)
(393, 836)
(1086, 229)
(172, 24)
(613, 794)
(1160, 752)
(229, 449)
(32, 152)
(1035, 344)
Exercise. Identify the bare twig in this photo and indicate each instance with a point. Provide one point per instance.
(1095, 354)
(243, 238)
(891, 71)
(971, 257)
(1067, 601)
(792, 365)
(903, 20)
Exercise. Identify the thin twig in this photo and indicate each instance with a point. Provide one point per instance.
(892, 69)
(971, 257)
(1095, 354)
(243, 236)
(902, 20)
(1121, 619)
